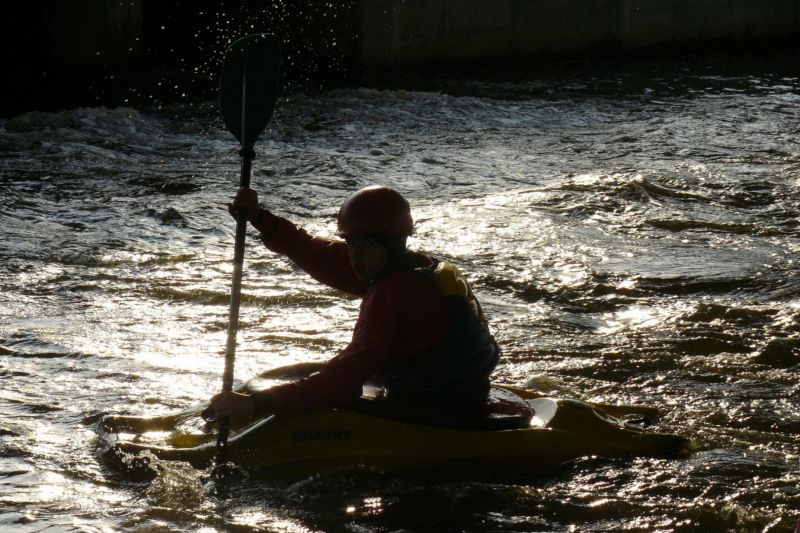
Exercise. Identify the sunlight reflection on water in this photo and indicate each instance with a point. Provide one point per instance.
(624, 251)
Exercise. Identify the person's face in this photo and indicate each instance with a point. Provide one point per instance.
(367, 257)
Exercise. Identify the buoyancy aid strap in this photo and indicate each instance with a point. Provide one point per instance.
(451, 282)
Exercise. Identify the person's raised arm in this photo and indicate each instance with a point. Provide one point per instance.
(323, 259)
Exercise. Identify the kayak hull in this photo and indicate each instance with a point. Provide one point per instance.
(337, 439)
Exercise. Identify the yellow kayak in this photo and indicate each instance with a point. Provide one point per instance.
(293, 446)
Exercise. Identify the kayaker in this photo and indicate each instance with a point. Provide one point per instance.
(423, 346)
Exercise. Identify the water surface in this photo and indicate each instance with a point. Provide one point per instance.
(632, 232)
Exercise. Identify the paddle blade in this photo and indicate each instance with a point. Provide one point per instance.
(249, 86)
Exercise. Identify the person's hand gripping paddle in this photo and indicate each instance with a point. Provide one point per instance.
(247, 94)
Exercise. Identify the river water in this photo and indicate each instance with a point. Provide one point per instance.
(632, 231)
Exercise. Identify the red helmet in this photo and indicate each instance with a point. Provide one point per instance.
(375, 210)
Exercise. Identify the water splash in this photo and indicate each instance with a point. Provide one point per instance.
(176, 484)
(192, 42)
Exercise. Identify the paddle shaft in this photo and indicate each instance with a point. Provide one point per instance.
(233, 312)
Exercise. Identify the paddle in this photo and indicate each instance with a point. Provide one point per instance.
(247, 93)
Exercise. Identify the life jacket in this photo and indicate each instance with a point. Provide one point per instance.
(462, 361)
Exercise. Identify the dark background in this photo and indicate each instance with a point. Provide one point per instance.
(59, 54)
(64, 53)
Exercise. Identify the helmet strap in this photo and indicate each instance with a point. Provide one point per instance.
(398, 258)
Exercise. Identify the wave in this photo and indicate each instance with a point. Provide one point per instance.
(703, 226)
(30, 346)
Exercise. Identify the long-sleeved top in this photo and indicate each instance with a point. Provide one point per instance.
(402, 315)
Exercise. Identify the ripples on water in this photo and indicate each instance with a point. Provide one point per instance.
(634, 237)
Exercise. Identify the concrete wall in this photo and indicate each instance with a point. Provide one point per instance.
(408, 31)
(63, 53)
